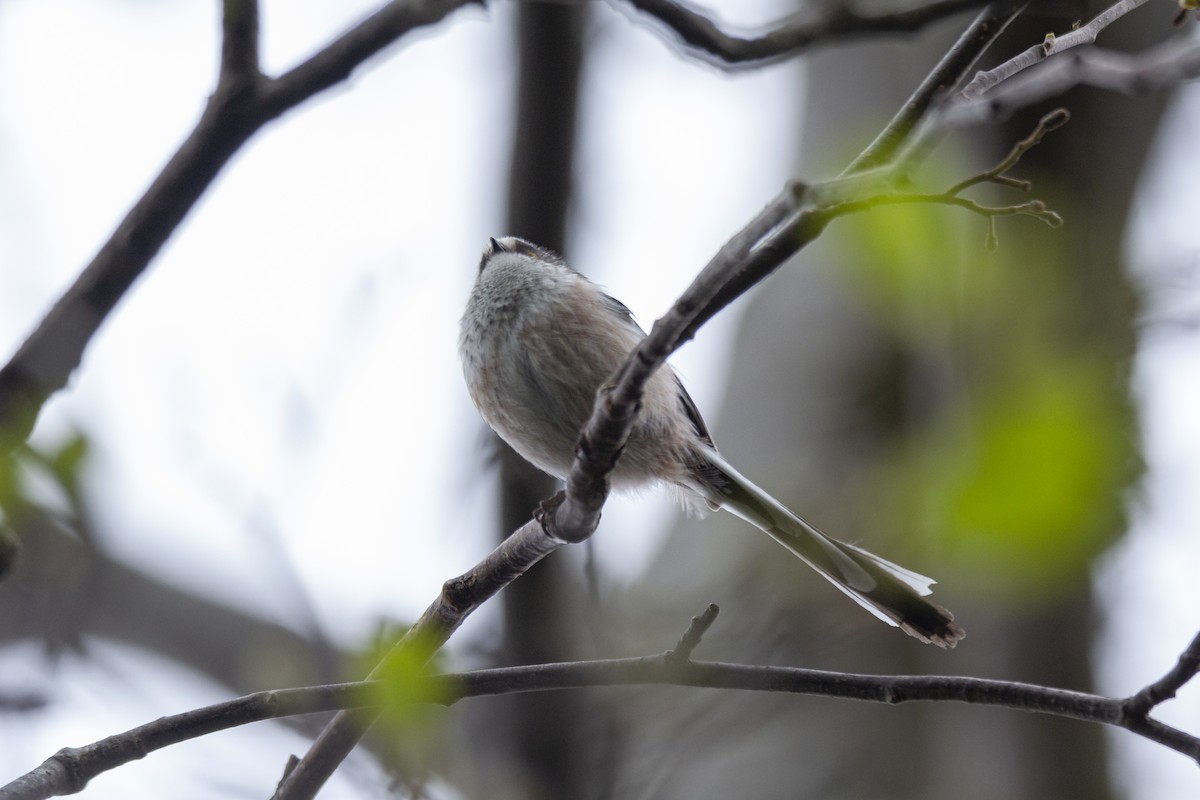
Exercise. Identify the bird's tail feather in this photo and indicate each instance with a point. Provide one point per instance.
(894, 594)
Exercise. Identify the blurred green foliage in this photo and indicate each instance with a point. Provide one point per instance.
(413, 720)
(1018, 441)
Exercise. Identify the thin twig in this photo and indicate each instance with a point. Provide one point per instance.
(459, 598)
(1033, 208)
(1052, 121)
(832, 200)
(1186, 668)
(690, 640)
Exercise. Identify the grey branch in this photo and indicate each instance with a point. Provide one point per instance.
(1160, 67)
(1059, 63)
(819, 23)
(1164, 689)
(978, 36)
(69, 770)
(242, 103)
(460, 596)
(1044, 72)
(1052, 45)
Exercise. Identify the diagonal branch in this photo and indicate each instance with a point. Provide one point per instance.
(1186, 668)
(819, 23)
(242, 103)
(460, 596)
(950, 70)
(869, 173)
(339, 59)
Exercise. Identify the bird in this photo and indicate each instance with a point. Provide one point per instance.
(538, 339)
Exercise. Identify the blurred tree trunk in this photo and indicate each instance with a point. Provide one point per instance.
(537, 742)
(819, 393)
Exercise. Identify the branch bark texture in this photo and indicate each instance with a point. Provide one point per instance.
(69, 770)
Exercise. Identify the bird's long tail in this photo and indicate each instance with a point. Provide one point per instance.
(894, 594)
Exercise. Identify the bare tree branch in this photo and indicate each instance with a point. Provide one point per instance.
(460, 596)
(867, 174)
(1052, 45)
(980, 35)
(1165, 687)
(1032, 77)
(999, 173)
(239, 42)
(819, 23)
(242, 103)
(1159, 67)
(69, 770)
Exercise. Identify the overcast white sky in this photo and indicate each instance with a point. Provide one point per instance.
(257, 386)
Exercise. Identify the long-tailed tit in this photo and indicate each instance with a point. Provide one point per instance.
(538, 340)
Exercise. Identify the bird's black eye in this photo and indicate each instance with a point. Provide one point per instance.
(524, 248)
